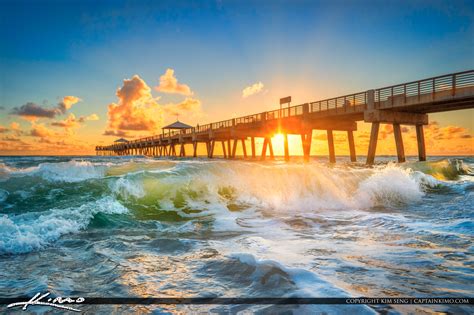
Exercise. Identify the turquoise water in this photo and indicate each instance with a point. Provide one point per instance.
(133, 227)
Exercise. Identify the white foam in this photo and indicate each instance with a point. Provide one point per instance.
(71, 171)
(390, 185)
(32, 231)
(127, 188)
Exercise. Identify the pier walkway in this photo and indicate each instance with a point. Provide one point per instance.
(401, 104)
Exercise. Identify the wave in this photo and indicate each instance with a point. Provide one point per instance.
(69, 172)
(34, 230)
(187, 190)
(214, 186)
(445, 169)
(267, 278)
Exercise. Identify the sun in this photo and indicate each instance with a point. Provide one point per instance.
(278, 137)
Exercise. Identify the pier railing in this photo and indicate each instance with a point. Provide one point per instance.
(430, 86)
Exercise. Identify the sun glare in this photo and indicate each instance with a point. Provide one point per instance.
(278, 137)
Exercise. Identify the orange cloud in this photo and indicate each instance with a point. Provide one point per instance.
(433, 131)
(69, 122)
(92, 117)
(136, 109)
(252, 89)
(4, 129)
(72, 122)
(169, 84)
(67, 102)
(118, 133)
(189, 105)
(40, 131)
(15, 126)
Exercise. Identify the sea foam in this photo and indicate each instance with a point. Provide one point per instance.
(34, 230)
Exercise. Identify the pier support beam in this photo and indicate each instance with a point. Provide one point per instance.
(270, 147)
(173, 149)
(234, 148)
(229, 149)
(287, 150)
(264, 148)
(352, 150)
(195, 146)
(420, 138)
(399, 143)
(244, 148)
(253, 146)
(374, 133)
(182, 151)
(332, 154)
(211, 148)
(306, 139)
(223, 149)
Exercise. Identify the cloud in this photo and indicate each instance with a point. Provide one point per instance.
(2, 107)
(72, 122)
(33, 111)
(40, 131)
(67, 103)
(136, 109)
(4, 129)
(435, 132)
(189, 105)
(169, 84)
(68, 123)
(15, 126)
(118, 133)
(92, 117)
(252, 89)
(13, 139)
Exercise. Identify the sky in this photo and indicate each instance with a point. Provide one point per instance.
(76, 74)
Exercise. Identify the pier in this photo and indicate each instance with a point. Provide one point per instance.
(401, 104)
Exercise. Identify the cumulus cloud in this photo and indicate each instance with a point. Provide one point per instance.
(435, 132)
(169, 84)
(91, 117)
(72, 122)
(41, 131)
(252, 89)
(33, 111)
(116, 133)
(188, 105)
(67, 103)
(136, 109)
(69, 122)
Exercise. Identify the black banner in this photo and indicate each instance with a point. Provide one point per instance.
(260, 300)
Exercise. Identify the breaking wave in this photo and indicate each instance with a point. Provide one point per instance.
(34, 230)
(184, 190)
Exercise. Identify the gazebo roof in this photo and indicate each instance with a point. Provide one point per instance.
(121, 140)
(177, 125)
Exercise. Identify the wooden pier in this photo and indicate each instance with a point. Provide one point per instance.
(402, 104)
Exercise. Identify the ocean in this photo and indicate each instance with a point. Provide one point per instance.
(150, 227)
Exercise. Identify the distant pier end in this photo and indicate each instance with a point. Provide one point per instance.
(402, 104)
